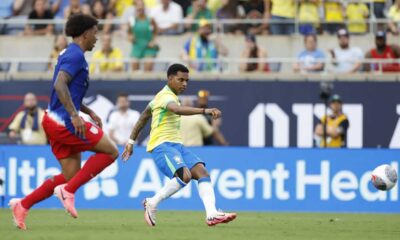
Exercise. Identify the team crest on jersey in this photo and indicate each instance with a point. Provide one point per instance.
(94, 130)
(178, 160)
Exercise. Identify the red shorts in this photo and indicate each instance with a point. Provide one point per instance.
(64, 143)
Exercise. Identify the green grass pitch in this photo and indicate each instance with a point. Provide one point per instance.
(173, 225)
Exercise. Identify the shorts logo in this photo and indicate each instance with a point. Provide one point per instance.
(94, 130)
(178, 160)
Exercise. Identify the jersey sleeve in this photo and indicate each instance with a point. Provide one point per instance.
(72, 63)
(166, 99)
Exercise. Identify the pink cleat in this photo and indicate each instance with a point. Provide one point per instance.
(220, 217)
(67, 199)
(149, 213)
(19, 213)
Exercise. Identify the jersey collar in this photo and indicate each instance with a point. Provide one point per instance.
(168, 89)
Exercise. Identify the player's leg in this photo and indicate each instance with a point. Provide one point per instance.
(169, 161)
(180, 179)
(205, 188)
(105, 154)
(70, 166)
(206, 191)
(20, 207)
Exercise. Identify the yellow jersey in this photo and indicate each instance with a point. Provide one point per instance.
(284, 8)
(105, 63)
(333, 12)
(121, 5)
(308, 12)
(165, 125)
(357, 12)
(336, 122)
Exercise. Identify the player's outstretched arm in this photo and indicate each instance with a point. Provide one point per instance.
(144, 117)
(185, 110)
(61, 87)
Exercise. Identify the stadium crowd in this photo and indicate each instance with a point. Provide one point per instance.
(141, 21)
(275, 16)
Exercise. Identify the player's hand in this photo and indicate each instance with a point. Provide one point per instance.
(79, 125)
(214, 112)
(96, 119)
(128, 151)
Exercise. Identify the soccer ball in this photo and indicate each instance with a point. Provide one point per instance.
(384, 177)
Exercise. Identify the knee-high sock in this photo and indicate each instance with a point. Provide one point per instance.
(94, 165)
(171, 186)
(207, 195)
(43, 192)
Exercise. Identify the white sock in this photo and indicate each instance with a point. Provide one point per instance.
(207, 195)
(171, 186)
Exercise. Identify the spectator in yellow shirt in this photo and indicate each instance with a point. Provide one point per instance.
(394, 16)
(284, 11)
(334, 16)
(107, 59)
(309, 16)
(194, 128)
(119, 6)
(357, 13)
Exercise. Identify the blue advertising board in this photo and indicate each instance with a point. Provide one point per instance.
(251, 179)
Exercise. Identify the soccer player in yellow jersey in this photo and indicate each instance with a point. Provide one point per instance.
(170, 156)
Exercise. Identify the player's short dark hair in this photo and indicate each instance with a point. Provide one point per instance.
(175, 68)
(123, 95)
(77, 24)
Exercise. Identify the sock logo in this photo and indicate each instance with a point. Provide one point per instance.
(103, 184)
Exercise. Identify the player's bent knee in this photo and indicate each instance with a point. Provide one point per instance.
(184, 174)
(199, 171)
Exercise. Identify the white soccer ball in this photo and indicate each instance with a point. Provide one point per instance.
(384, 177)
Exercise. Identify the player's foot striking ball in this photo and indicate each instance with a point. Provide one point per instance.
(68, 133)
(171, 157)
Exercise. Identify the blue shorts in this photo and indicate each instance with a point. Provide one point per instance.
(169, 157)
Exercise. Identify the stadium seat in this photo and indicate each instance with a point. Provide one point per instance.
(4, 66)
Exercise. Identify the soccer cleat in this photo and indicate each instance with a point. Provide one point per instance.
(220, 217)
(67, 199)
(19, 213)
(149, 213)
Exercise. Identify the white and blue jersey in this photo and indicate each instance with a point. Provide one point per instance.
(72, 61)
